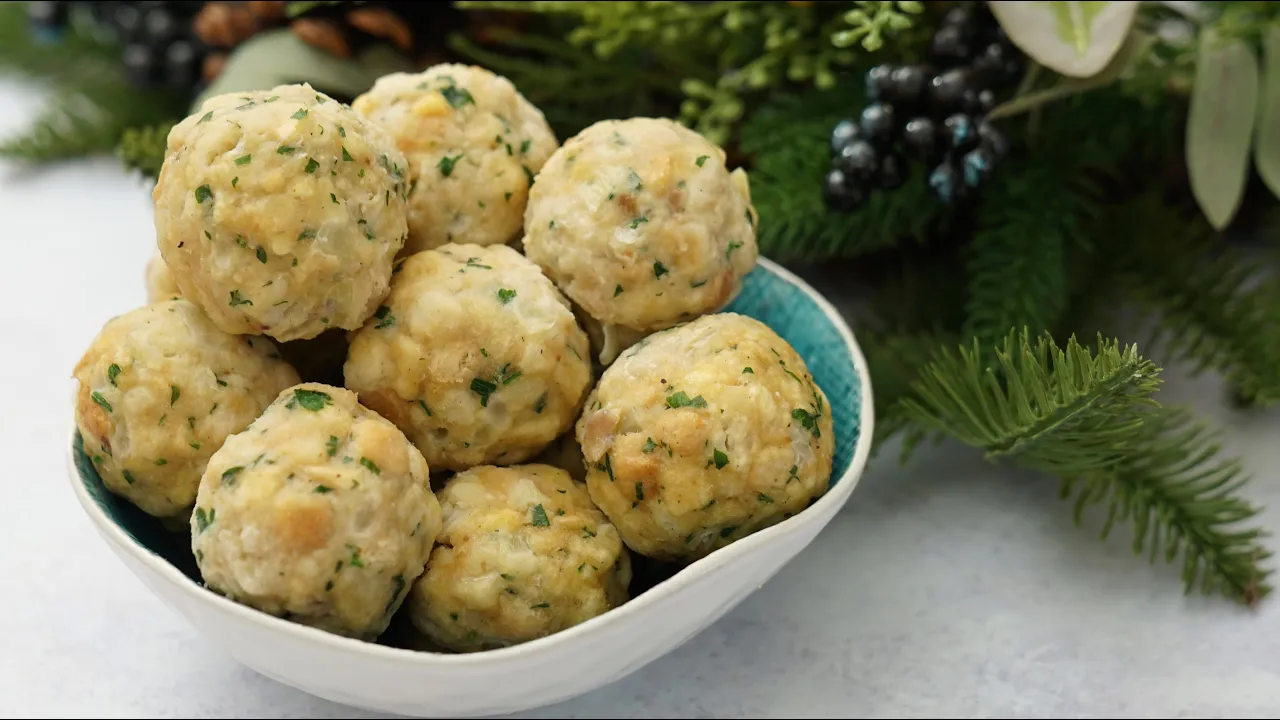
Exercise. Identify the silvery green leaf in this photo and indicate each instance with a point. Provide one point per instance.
(1224, 102)
(1266, 145)
(1076, 39)
(279, 57)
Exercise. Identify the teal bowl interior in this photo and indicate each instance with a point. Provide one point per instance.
(766, 296)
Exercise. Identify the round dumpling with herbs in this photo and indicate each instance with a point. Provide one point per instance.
(703, 434)
(160, 282)
(320, 512)
(280, 211)
(640, 223)
(475, 356)
(474, 144)
(523, 554)
(160, 389)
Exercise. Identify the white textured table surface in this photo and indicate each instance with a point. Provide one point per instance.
(946, 589)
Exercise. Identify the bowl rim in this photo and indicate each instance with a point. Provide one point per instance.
(830, 501)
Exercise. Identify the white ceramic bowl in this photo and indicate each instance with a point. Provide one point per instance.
(551, 669)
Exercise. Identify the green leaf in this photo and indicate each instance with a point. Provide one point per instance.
(279, 57)
(1266, 146)
(1220, 125)
(1076, 39)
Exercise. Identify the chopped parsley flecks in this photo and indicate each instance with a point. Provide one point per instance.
(588, 533)
(720, 459)
(346, 156)
(371, 465)
(397, 587)
(262, 255)
(271, 99)
(204, 519)
(307, 234)
(539, 516)
(539, 606)
(312, 400)
(634, 182)
(342, 132)
(507, 196)
(697, 283)
(238, 299)
(355, 560)
(384, 317)
(229, 475)
(398, 266)
(794, 473)
(112, 373)
(244, 160)
(161, 461)
(422, 404)
(475, 263)
(787, 370)
(240, 242)
(163, 418)
(701, 159)
(332, 445)
(637, 222)
(734, 245)
(505, 295)
(286, 150)
(457, 97)
(680, 399)
(764, 498)
(333, 198)
(484, 389)
(727, 531)
(312, 166)
(606, 466)
(528, 174)
(540, 404)
(808, 421)
(129, 478)
(649, 446)
(639, 492)
(506, 375)
(659, 269)
(101, 401)
(446, 164)
(301, 113)
(524, 146)
(328, 586)
(203, 193)
(322, 489)
(748, 370)
(617, 290)
(194, 445)
(206, 117)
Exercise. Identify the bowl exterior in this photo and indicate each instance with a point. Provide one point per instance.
(540, 673)
(512, 684)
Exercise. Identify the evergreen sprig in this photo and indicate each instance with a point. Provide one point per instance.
(92, 104)
(724, 51)
(1212, 307)
(1064, 410)
(1180, 497)
(142, 149)
(1088, 418)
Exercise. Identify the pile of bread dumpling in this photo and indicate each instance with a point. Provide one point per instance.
(359, 395)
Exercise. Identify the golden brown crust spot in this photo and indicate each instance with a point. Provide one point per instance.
(303, 525)
(387, 404)
(683, 430)
(93, 419)
(384, 445)
(598, 433)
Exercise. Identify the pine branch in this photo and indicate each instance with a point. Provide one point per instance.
(142, 149)
(1017, 277)
(1089, 419)
(1213, 307)
(1180, 497)
(788, 142)
(1042, 407)
(92, 103)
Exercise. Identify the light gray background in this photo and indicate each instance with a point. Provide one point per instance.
(945, 589)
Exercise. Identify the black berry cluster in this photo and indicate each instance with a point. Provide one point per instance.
(159, 47)
(932, 114)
